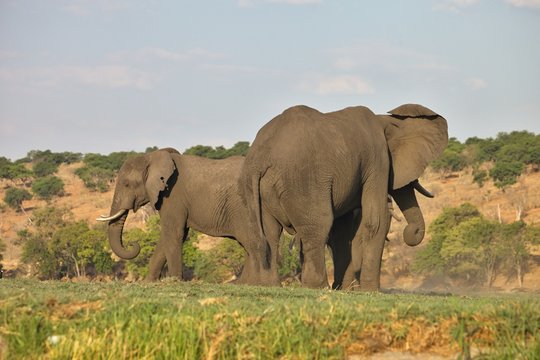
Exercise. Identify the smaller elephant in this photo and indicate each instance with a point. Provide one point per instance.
(188, 192)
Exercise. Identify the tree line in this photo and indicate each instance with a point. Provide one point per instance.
(508, 155)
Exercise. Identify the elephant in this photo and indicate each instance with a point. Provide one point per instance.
(340, 161)
(188, 192)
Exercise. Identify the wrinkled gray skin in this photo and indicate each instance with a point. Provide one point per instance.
(189, 192)
(338, 162)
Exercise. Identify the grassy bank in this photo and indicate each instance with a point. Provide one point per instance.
(202, 321)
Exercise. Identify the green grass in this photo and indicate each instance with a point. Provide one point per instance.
(117, 320)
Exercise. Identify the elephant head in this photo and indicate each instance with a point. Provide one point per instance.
(140, 181)
(416, 136)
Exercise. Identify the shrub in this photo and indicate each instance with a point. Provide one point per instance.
(506, 173)
(47, 187)
(94, 178)
(240, 148)
(57, 246)
(44, 168)
(14, 197)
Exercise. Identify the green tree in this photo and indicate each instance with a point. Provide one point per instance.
(48, 187)
(473, 248)
(429, 260)
(240, 148)
(515, 242)
(14, 171)
(47, 261)
(14, 197)
(452, 158)
(506, 173)
(44, 168)
(95, 178)
(57, 246)
(81, 248)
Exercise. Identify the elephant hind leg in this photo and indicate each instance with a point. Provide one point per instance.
(313, 238)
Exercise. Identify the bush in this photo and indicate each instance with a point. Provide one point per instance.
(13, 171)
(96, 179)
(506, 173)
(14, 197)
(99, 170)
(37, 156)
(467, 247)
(240, 148)
(48, 187)
(44, 168)
(56, 246)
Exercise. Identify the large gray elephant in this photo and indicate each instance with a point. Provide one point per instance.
(189, 192)
(338, 162)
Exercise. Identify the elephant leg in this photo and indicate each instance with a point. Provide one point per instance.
(313, 236)
(157, 261)
(339, 242)
(173, 251)
(260, 267)
(368, 244)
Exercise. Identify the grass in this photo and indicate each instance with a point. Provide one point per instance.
(170, 319)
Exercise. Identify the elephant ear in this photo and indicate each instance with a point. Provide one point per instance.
(160, 168)
(416, 136)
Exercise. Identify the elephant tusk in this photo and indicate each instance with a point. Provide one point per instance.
(112, 217)
(416, 185)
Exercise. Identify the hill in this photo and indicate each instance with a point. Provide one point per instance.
(518, 201)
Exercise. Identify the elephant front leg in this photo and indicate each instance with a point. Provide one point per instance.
(173, 251)
(157, 261)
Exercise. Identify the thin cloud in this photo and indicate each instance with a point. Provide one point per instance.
(88, 7)
(476, 83)
(533, 4)
(344, 85)
(455, 5)
(151, 53)
(250, 3)
(109, 76)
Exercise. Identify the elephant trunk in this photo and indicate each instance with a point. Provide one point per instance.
(115, 238)
(405, 198)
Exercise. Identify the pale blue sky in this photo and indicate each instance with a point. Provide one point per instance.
(114, 75)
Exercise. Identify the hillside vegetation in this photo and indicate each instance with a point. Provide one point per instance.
(487, 201)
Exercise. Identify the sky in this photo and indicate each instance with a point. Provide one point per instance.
(98, 76)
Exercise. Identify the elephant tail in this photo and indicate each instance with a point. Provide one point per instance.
(257, 207)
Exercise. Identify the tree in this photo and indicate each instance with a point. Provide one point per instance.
(47, 187)
(472, 248)
(514, 240)
(452, 158)
(44, 168)
(14, 171)
(505, 173)
(14, 197)
(239, 149)
(429, 260)
(57, 246)
(47, 261)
